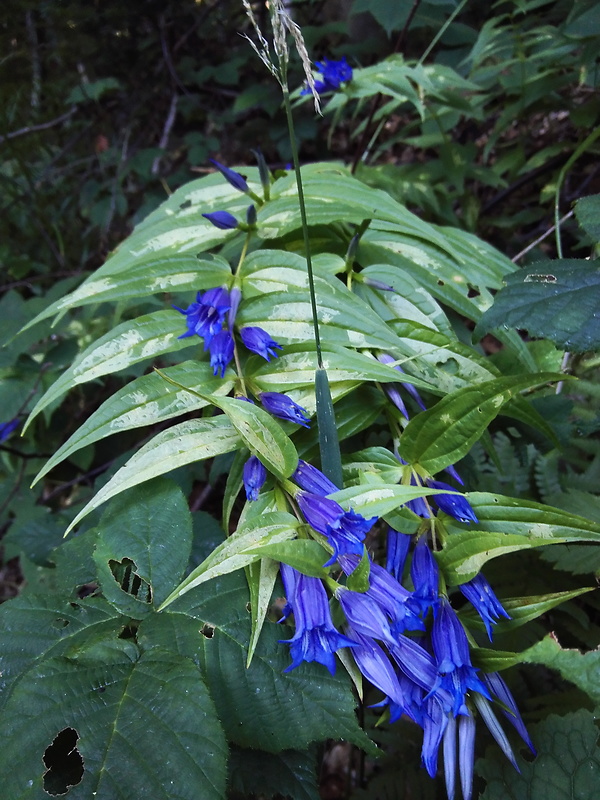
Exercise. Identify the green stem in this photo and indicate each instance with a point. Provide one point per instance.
(311, 280)
(580, 150)
(442, 30)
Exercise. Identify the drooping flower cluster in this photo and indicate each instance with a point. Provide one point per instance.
(408, 642)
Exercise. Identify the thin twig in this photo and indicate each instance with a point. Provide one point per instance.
(541, 238)
(41, 127)
(164, 139)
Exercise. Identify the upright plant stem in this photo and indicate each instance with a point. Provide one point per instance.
(311, 280)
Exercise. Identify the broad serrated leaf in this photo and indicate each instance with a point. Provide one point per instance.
(291, 773)
(556, 300)
(186, 443)
(145, 401)
(582, 669)
(566, 768)
(587, 211)
(442, 435)
(37, 627)
(138, 722)
(260, 706)
(129, 343)
(146, 535)
(237, 551)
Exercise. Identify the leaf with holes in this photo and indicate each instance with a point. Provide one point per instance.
(144, 544)
(134, 719)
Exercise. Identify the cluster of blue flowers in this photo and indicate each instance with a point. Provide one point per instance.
(331, 75)
(409, 643)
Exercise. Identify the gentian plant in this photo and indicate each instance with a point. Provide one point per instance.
(335, 568)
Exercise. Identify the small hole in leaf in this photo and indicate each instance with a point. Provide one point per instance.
(86, 589)
(185, 204)
(125, 574)
(440, 283)
(75, 606)
(128, 632)
(64, 763)
(248, 608)
(60, 622)
(207, 630)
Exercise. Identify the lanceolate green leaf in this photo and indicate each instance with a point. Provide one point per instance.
(261, 576)
(239, 550)
(129, 343)
(442, 435)
(304, 555)
(145, 276)
(145, 401)
(522, 609)
(182, 444)
(380, 499)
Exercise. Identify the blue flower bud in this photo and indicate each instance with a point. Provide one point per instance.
(455, 505)
(258, 341)
(234, 178)
(254, 475)
(222, 219)
(283, 407)
(312, 479)
(264, 172)
(6, 428)
(251, 215)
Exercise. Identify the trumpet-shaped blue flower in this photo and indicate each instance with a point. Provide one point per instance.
(222, 220)
(234, 178)
(6, 428)
(312, 479)
(456, 505)
(481, 596)
(221, 352)
(345, 530)
(456, 674)
(316, 638)
(283, 407)
(375, 665)
(254, 476)
(364, 615)
(258, 341)
(205, 317)
(235, 297)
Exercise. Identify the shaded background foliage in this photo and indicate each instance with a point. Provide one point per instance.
(106, 108)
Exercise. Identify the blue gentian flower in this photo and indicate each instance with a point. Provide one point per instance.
(258, 341)
(263, 171)
(415, 662)
(385, 358)
(316, 638)
(283, 407)
(451, 470)
(466, 753)
(235, 297)
(222, 220)
(345, 530)
(397, 551)
(221, 352)
(451, 649)
(254, 475)
(6, 428)
(455, 505)
(435, 722)
(234, 178)
(312, 479)
(251, 216)
(481, 596)
(424, 572)
(205, 317)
